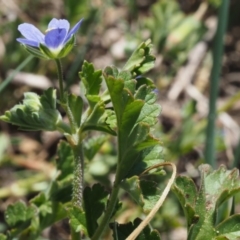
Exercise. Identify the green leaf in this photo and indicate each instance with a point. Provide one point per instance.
(92, 146)
(135, 114)
(64, 161)
(95, 200)
(134, 160)
(216, 187)
(230, 228)
(75, 104)
(19, 214)
(150, 110)
(141, 60)
(78, 220)
(144, 81)
(144, 193)
(132, 186)
(49, 211)
(111, 71)
(129, 82)
(42, 203)
(186, 191)
(122, 231)
(126, 108)
(61, 191)
(19, 217)
(119, 96)
(146, 158)
(98, 120)
(220, 184)
(36, 113)
(151, 194)
(61, 188)
(111, 120)
(92, 80)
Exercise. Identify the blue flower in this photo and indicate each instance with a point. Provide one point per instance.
(56, 43)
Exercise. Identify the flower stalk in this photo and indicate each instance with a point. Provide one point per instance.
(76, 144)
(60, 79)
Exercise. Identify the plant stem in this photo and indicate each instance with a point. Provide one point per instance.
(113, 197)
(217, 60)
(60, 79)
(75, 142)
(75, 235)
(108, 214)
(78, 176)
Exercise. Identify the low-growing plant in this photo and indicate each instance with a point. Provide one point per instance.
(124, 107)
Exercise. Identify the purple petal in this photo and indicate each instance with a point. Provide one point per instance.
(28, 42)
(73, 30)
(30, 32)
(55, 37)
(62, 23)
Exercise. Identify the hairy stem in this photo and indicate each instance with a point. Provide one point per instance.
(78, 177)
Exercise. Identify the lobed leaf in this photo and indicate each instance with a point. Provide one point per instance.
(122, 231)
(186, 191)
(77, 219)
(49, 211)
(75, 104)
(36, 112)
(61, 188)
(141, 60)
(150, 110)
(119, 96)
(95, 200)
(19, 217)
(64, 161)
(98, 120)
(230, 228)
(136, 112)
(201, 207)
(144, 193)
(146, 158)
(18, 214)
(92, 146)
(92, 80)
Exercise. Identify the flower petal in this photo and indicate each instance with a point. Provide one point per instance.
(61, 23)
(54, 38)
(73, 30)
(28, 42)
(30, 32)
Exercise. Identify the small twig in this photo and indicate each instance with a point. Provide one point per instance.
(149, 217)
